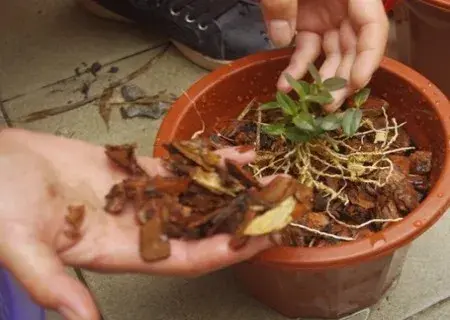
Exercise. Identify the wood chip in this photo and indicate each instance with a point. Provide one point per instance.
(154, 244)
(272, 220)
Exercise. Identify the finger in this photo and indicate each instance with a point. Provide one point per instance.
(187, 258)
(281, 18)
(215, 253)
(238, 154)
(266, 180)
(42, 274)
(332, 51)
(348, 40)
(155, 166)
(370, 19)
(307, 50)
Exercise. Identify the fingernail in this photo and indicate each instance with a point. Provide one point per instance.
(70, 314)
(283, 85)
(281, 32)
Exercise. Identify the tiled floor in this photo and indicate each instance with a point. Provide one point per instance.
(42, 42)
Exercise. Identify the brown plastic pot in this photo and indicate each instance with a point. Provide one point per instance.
(325, 283)
(423, 36)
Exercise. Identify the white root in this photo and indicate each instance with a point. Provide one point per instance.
(198, 133)
(258, 130)
(359, 226)
(317, 159)
(386, 119)
(320, 233)
(246, 110)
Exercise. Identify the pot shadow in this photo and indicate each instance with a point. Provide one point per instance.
(216, 296)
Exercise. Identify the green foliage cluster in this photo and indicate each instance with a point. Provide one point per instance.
(300, 120)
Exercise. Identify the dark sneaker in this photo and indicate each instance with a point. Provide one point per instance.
(208, 32)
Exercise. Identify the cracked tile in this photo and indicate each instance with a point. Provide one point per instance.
(440, 311)
(44, 41)
(3, 123)
(75, 89)
(171, 71)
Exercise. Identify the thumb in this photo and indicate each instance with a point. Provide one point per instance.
(281, 20)
(39, 270)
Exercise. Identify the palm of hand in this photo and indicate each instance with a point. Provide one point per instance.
(35, 245)
(320, 16)
(33, 241)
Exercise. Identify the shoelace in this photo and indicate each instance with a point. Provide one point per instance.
(201, 12)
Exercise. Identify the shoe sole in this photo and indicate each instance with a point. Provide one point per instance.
(196, 57)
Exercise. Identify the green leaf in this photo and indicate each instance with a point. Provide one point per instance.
(361, 97)
(318, 129)
(301, 87)
(330, 122)
(269, 106)
(339, 115)
(286, 103)
(275, 129)
(314, 73)
(321, 98)
(351, 121)
(318, 122)
(304, 121)
(305, 85)
(314, 89)
(295, 135)
(336, 83)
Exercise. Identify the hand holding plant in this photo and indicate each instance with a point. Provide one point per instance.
(303, 117)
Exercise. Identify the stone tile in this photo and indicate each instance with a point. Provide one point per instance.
(74, 89)
(216, 296)
(43, 41)
(424, 280)
(440, 311)
(3, 123)
(172, 71)
(52, 315)
(86, 124)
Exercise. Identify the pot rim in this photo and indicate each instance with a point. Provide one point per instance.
(440, 4)
(381, 243)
